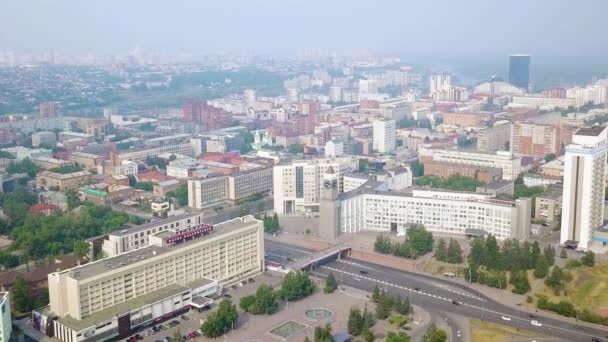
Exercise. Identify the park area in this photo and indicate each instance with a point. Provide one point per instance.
(486, 331)
(588, 289)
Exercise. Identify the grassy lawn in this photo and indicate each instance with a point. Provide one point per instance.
(486, 331)
(437, 267)
(587, 290)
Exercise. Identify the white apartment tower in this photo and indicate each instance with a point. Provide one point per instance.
(439, 82)
(249, 98)
(384, 135)
(297, 186)
(584, 184)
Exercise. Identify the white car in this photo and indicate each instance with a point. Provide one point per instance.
(458, 334)
(357, 278)
(536, 323)
(505, 318)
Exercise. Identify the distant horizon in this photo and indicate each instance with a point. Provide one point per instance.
(412, 28)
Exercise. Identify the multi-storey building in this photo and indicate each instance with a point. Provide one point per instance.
(549, 204)
(47, 163)
(533, 179)
(296, 186)
(87, 160)
(249, 182)
(208, 192)
(137, 236)
(29, 125)
(535, 140)
(21, 152)
(519, 71)
(109, 298)
(384, 135)
(46, 138)
(6, 324)
(495, 138)
(141, 154)
(509, 164)
(584, 185)
(439, 82)
(461, 213)
(208, 117)
(462, 119)
(445, 170)
(47, 109)
(63, 181)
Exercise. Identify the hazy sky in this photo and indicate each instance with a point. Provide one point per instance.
(405, 27)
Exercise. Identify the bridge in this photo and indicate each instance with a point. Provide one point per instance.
(316, 259)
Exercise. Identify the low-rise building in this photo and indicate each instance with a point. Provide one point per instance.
(63, 181)
(47, 163)
(162, 188)
(21, 152)
(44, 137)
(532, 179)
(86, 160)
(445, 170)
(205, 193)
(250, 182)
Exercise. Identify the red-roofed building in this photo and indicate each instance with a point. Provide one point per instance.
(44, 209)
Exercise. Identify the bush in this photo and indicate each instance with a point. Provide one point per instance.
(247, 303)
(573, 263)
(563, 308)
(398, 320)
(588, 259)
(529, 299)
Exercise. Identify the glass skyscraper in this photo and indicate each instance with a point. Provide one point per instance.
(519, 71)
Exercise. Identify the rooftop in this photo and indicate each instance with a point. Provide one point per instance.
(113, 264)
(130, 229)
(592, 131)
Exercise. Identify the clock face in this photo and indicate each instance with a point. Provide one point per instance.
(327, 185)
(334, 184)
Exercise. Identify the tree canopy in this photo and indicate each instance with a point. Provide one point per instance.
(296, 285)
(220, 321)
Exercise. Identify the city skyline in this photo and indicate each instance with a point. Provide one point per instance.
(112, 27)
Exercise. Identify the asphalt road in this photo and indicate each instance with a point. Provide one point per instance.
(437, 294)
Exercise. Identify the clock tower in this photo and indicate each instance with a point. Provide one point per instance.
(329, 206)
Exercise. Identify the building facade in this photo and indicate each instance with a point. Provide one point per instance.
(369, 209)
(495, 138)
(208, 192)
(519, 71)
(509, 164)
(535, 140)
(384, 135)
(109, 298)
(296, 186)
(63, 181)
(584, 185)
(6, 324)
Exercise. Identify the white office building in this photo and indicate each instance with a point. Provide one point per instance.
(6, 324)
(584, 185)
(296, 186)
(384, 136)
(372, 208)
(334, 148)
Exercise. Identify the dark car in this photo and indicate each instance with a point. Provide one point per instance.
(455, 302)
(417, 289)
(531, 316)
(363, 272)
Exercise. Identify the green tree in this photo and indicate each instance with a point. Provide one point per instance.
(492, 255)
(478, 251)
(296, 285)
(454, 255)
(397, 337)
(145, 186)
(366, 331)
(355, 321)
(441, 251)
(383, 306)
(363, 165)
(132, 180)
(20, 294)
(519, 279)
(588, 259)
(549, 253)
(296, 148)
(330, 283)
(434, 334)
(26, 166)
(181, 194)
(542, 268)
(265, 300)
(81, 248)
(323, 333)
(72, 199)
(247, 303)
(376, 294)
(555, 279)
(549, 157)
(220, 321)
